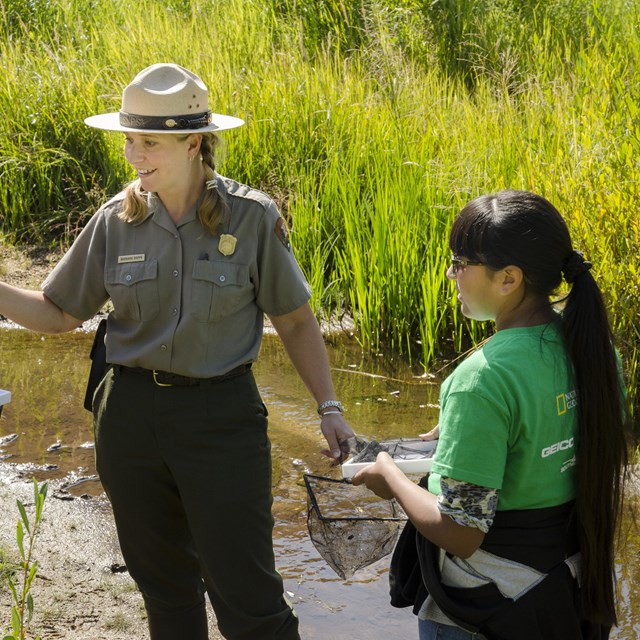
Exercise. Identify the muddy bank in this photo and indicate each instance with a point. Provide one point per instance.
(82, 590)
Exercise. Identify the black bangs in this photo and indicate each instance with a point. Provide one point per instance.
(514, 228)
(469, 235)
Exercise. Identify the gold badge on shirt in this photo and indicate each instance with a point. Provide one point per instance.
(227, 244)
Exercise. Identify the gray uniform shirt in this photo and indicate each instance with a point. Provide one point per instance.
(180, 305)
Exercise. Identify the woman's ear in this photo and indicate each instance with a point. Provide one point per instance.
(195, 139)
(509, 279)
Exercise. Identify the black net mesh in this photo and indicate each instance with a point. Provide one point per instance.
(349, 526)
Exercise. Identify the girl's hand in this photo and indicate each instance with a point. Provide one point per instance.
(431, 435)
(377, 477)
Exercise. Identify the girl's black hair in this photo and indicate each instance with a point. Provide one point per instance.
(523, 229)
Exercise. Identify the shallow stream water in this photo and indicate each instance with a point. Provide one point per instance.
(385, 399)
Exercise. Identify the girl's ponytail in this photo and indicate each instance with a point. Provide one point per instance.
(602, 451)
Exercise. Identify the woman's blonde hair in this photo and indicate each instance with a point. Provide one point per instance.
(212, 208)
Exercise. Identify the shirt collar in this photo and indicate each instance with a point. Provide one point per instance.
(160, 215)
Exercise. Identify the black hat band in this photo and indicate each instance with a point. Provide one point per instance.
(167, 123)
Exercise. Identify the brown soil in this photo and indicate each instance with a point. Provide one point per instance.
(26, 266)
(82, 590)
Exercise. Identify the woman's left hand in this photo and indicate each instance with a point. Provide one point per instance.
(336, 431)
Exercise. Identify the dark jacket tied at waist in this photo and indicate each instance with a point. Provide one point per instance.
(539, 538)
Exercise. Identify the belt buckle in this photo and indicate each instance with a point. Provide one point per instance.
(160, 384)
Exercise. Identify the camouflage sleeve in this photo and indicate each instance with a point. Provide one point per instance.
(468, 504)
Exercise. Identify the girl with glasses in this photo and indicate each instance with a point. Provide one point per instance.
(512, 534)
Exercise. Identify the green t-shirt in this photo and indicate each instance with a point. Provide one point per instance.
(508, 420)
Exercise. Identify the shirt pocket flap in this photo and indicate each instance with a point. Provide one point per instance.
(222, 274)
(132, 273)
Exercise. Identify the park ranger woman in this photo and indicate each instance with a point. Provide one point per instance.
(191, 262)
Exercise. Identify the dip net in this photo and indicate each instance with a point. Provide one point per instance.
(349, 526)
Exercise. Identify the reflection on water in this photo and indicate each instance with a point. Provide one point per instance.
(47, 374)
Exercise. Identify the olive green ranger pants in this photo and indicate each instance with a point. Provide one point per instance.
(188, 473)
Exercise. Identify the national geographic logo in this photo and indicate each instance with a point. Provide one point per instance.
(566, 401)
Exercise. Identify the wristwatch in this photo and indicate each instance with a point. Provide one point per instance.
(330, 403)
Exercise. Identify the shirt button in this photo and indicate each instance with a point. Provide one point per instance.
(174, 311)
(175, 273)
(128, 277)
(163, 347)
(222, 278)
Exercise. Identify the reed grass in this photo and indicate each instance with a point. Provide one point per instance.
(370, 122)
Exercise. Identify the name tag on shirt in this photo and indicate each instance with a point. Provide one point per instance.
(135, 257)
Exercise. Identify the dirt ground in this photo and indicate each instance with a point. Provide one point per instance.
(82, 590)
(26, 267)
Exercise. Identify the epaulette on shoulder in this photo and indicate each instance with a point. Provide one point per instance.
(236, 189)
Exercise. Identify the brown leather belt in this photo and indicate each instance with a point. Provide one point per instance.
(168, 379)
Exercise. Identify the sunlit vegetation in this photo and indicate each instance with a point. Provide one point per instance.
(370, 122)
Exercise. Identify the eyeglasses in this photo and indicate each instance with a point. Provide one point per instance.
(461, 263)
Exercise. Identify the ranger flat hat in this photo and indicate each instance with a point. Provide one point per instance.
(164, 98)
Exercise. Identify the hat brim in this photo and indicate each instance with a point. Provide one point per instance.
(111, 122)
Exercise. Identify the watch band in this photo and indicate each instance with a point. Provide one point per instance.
(330, 403)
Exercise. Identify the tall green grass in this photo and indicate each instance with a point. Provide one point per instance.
(370, 122)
